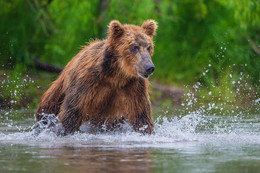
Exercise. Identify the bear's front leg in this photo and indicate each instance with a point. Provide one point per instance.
(144, 122)
(71, 112)
(71, 120)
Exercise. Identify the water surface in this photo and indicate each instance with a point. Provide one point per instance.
(194, 142)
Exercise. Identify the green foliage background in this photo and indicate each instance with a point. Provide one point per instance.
(193, 35)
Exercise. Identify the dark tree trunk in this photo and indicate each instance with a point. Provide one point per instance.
(46, 67)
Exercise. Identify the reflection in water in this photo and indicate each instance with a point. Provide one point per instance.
(191, 157)
(73, 159)
(102, 160)
(242, 165)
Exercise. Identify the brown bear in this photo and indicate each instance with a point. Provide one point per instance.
(106, 83)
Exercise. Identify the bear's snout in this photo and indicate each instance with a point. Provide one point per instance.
(149, 69)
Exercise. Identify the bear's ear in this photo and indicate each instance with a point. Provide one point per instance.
(150, 27)
(115, 29)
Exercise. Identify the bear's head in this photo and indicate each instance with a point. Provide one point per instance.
(134, 47)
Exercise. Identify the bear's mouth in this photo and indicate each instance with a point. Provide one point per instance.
(143, 75)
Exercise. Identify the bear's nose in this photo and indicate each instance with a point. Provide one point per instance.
(149, 69)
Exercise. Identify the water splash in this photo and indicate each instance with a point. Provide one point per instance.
(168, 132)
(11, 89)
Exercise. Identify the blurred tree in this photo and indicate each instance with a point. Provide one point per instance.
(191, 34)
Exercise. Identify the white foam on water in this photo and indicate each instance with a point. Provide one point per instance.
(192, 129)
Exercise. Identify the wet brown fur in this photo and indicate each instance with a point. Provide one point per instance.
(101, 85)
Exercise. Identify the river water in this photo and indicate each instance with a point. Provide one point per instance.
(194, 142)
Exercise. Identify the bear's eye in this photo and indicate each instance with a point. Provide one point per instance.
(149, 49)
(135, 48)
